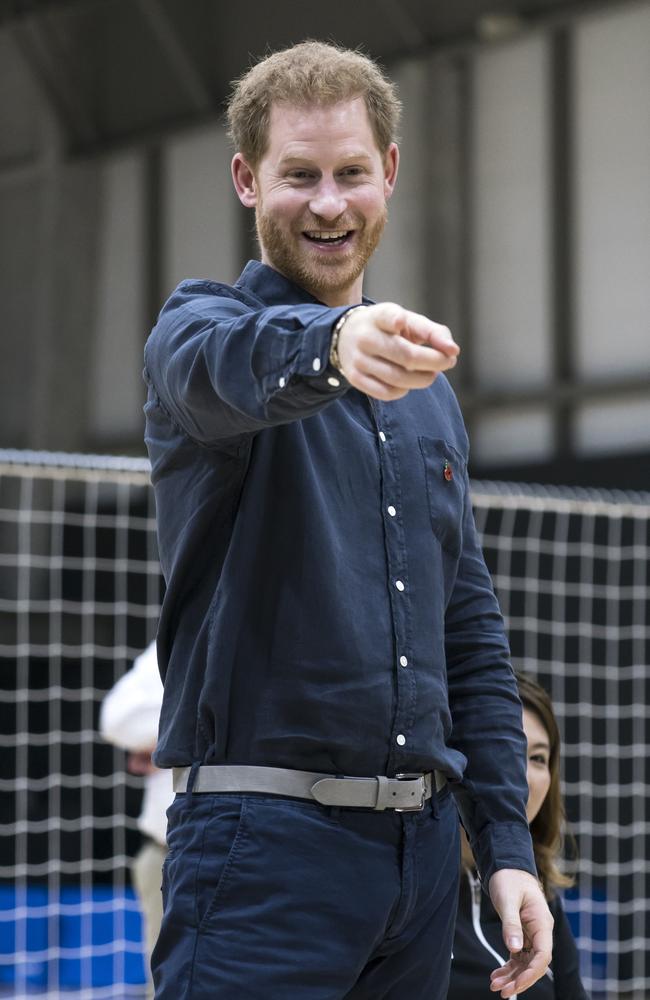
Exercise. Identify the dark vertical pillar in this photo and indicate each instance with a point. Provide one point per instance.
(467, 235)
(154, 227)
(562, 263)
(440, 250)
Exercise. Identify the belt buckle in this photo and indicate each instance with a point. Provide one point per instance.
(408, 776)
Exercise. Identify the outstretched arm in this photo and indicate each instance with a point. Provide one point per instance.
(222, 369)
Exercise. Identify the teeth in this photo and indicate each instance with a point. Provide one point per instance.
(335, 235)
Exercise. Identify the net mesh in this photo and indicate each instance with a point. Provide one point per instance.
(571, 571)
(80, 590)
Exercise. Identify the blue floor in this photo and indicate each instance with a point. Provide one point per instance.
(105, 924)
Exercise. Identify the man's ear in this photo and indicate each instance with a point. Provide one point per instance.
(391, 166)
(244, 180)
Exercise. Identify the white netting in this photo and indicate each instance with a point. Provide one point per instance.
(571, 569)
(79, 597)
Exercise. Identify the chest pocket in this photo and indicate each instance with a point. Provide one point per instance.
(444, 471)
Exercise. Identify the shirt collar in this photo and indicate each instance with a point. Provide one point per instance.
(273, 288)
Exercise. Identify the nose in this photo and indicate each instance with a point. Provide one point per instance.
(327, 201)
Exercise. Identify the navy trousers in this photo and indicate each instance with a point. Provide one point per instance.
(279, 899)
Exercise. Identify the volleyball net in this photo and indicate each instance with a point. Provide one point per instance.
(571, 570)
(80, 591)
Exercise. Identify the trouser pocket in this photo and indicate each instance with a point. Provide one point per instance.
(200, 866)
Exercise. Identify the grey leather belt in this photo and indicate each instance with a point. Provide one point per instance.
(403, 793)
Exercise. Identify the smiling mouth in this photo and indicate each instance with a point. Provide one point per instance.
(328, 238)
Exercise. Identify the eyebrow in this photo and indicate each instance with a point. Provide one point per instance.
(540, 745)
(350, 158)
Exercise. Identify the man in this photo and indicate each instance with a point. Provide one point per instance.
(334, 658)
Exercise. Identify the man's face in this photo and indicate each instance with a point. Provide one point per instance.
(320, 194)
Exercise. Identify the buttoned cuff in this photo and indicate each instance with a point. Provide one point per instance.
(503, 845)
(314, 357)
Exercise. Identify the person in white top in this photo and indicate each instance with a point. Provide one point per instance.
(129, 719)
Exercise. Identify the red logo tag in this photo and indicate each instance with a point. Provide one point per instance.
(448, 472)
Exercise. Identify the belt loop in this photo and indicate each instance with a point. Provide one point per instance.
(435, 807)
(192, 776)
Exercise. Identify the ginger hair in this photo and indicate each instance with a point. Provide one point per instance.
(310, 73)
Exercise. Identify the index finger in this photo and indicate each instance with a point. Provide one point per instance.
(422, 330)
(419, 329)
(414, 357)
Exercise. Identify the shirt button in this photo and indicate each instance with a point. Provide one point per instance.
(403, 661)
(316, 364)
(333, 381)
(282, 382)
(399, 584)
(400, 740)
(391, 510)
(382, 436)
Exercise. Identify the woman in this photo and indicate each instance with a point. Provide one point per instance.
(478, 944)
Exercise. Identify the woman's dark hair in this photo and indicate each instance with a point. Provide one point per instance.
(548, 827)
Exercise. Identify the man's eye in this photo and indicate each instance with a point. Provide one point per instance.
(300, 175)
(353, 171)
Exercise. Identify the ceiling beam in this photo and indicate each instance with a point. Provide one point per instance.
(44, 55)
(31, 10)
(176, 54)
(403, 24)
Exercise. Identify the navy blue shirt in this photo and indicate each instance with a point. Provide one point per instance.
(327, 604)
